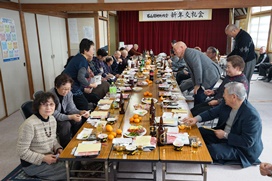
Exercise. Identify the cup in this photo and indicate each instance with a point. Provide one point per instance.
(194, 144)
(178, 145)
(99, 128)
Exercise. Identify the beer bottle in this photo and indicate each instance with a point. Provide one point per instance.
(121, 104)
(160, 133)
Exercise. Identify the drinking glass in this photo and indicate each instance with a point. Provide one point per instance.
(99, 128)
(194, 145)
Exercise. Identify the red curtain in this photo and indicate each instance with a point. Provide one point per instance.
(158, 35)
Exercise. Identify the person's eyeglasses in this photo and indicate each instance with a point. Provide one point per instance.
(48, 104)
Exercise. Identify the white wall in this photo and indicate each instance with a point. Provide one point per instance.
(77, 31)
(15, 80)
(33, 46)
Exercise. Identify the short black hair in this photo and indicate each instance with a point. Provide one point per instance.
(41, 99)
(108, 59)
(62, 79)
(85, 44)
(122, 48)
(102, 52)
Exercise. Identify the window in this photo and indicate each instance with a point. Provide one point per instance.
(259, 29)
(260, 9)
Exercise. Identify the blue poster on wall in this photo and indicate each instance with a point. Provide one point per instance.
(8, 38)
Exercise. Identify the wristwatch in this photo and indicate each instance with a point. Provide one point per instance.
(226, 135)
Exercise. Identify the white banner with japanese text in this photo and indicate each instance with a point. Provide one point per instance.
(176, 15)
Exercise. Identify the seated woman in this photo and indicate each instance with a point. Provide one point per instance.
(69, 118)
(108, 62)
(37, 144)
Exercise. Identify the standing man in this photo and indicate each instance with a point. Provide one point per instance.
(237, 136)
(244, 47)
(204, 72)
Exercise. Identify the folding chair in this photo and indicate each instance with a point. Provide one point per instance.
(26, 109)
(37, 93)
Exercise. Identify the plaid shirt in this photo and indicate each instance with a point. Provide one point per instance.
(95, 66)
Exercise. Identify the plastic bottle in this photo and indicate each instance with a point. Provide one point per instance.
(113, 90)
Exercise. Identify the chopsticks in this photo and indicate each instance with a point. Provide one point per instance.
(205, 127)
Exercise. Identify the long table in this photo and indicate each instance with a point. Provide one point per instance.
(165, 154)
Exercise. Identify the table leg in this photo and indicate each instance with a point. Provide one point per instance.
(106, 167)
(163, 171)
(67, 170)
(154, 171)
(205, 172)
(114, 170)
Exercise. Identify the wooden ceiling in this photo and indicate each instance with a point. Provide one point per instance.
(126, 5)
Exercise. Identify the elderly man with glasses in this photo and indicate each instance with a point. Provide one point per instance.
(237, 136)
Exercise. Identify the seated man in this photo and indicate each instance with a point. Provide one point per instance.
(234, 69)
(263, 58)
(97, 64)
(237, 136)
(122, 65)
(116, 60)
(263, 69)
(212, 53)
(133, 51)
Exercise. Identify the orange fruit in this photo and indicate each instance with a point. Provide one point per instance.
(113, 133)
(136, 120)
(149, 94)
(140, 118)
(147, 80)
(150, 82)
(110, 137)
(135, 116)
(145, 93)
(119, 131)
(161, 98)
(131, 119)
(109, 128)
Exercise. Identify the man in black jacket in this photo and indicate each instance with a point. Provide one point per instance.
(244, 47)
(263, 58)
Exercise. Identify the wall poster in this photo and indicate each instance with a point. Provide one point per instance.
(8, 38)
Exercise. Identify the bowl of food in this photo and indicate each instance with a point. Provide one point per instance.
(119, 147)
(102, 137)
(131, 147)
(178, 145)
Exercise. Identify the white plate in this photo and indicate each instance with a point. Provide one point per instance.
(105, 107)
(101, 136)
(142, 83)
(129, 136)
(84, 134)
(137, 89)
(148, 100)
(140, 112)
(111, 119)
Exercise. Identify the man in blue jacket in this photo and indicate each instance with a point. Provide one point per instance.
(237, 136)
